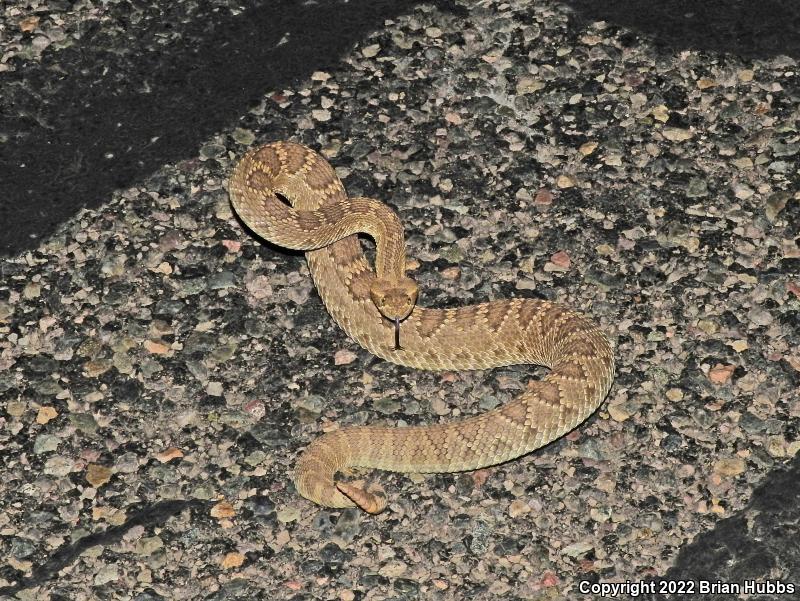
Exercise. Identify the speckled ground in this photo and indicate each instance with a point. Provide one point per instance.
(161, 370)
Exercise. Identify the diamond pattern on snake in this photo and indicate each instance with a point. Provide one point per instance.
(376, 305)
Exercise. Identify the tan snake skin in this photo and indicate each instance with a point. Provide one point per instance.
(322, 221)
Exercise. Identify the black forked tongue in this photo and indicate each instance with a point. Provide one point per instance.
(397, 346)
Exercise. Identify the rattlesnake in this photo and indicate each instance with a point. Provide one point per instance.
(377, 306)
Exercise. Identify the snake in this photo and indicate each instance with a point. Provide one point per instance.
(289, 195)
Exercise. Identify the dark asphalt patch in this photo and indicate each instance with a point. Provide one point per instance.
(104, 113)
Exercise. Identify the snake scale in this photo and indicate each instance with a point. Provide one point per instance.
(289, 195)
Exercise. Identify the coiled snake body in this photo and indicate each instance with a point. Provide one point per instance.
(372, 305)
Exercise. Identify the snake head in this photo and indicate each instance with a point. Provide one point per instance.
(395, 299)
